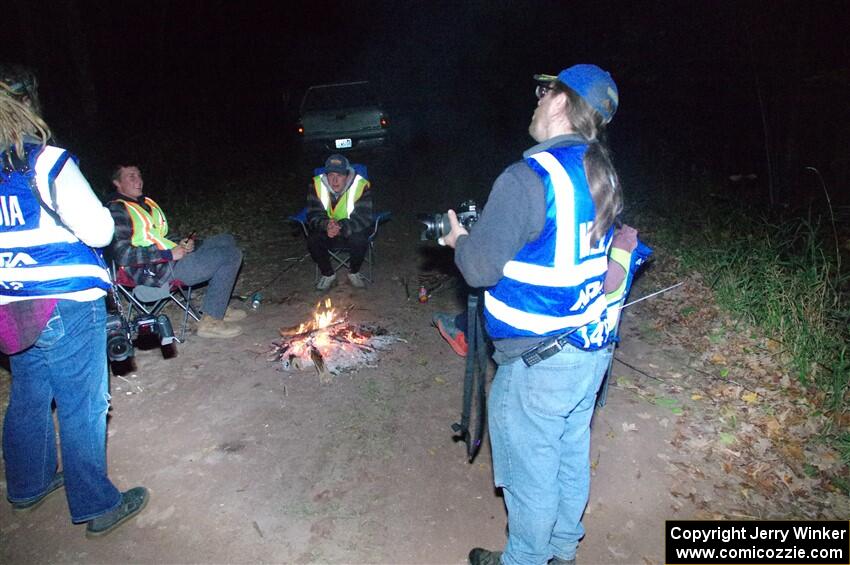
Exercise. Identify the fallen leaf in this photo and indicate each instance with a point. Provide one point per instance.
(718, 359)
(750, 398)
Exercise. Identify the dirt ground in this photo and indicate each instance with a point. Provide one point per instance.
(248, 463)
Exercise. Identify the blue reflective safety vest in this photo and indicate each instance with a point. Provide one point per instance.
(555, 283)
(39, 257)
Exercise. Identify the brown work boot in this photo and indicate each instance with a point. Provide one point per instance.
(234, 314)
(212, 327)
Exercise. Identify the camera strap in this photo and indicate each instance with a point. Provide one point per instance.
(474, 382)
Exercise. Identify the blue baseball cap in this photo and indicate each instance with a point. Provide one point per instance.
(595, 86)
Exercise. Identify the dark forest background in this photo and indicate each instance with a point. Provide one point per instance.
(708, 88)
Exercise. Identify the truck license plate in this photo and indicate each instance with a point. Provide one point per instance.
(343, 143)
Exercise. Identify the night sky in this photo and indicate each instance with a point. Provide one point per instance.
(703, 81)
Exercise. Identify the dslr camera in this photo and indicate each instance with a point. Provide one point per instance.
(120, 334)
(437, 225)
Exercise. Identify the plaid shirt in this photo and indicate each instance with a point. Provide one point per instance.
(146, 265)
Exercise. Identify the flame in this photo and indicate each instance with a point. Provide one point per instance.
(323, 338)
(323, 319)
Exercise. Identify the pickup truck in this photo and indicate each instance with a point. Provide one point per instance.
(342, 117)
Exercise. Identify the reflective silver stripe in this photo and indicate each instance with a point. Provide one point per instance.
(540, 323)
(44, 235)
(572, 275)
(80, 296)
(49, 273)
(324, 194)
(357, 184)
(564, 272)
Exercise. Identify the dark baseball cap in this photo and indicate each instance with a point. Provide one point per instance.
(336, 163)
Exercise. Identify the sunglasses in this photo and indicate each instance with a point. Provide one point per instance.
(541, 90)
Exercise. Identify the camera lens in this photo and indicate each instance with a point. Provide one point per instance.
(433, 226)
(118, 348)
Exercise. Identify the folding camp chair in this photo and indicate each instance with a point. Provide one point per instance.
(151, 300)
(340, 256)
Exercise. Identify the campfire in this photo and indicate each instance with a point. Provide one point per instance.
(330, 343)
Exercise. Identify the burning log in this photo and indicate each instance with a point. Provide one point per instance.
(330, 343)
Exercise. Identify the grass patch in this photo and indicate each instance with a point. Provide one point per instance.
(780, 272)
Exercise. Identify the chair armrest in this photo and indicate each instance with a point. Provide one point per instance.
(380, 218)
(300, 218)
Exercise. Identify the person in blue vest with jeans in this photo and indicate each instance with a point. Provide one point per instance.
(53, 320)
(539, 249)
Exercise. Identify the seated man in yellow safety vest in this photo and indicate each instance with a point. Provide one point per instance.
(142, 249)
(339, 215)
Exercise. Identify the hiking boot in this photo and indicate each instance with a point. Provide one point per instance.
(212, 327)
(132, 502)
(326, 282)
(234, 314)
(357, 280)
(451, 333)
(33, 503)
(479, 556)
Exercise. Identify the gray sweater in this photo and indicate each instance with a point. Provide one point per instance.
(514, 215)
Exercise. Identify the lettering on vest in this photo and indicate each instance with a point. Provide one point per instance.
(11, 260)
(588, 293)
(585, 248)
(10, 211)
(596, 337)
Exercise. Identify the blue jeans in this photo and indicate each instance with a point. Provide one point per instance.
(216, 260)
(67, 364)
(539, 421)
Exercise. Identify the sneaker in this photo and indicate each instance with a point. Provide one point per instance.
(357, 280)
(559, 561)
(213, 328)
(33, 503)
(234, 314)
(325, 282)
(132, 502)
(451, 333)
(479, 556)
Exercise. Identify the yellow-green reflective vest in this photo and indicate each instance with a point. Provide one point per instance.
(345, 205)
(149, 228)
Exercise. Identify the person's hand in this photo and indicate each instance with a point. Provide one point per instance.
(458, 230)
(178, 252)
(188, 244)
(333, 228)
